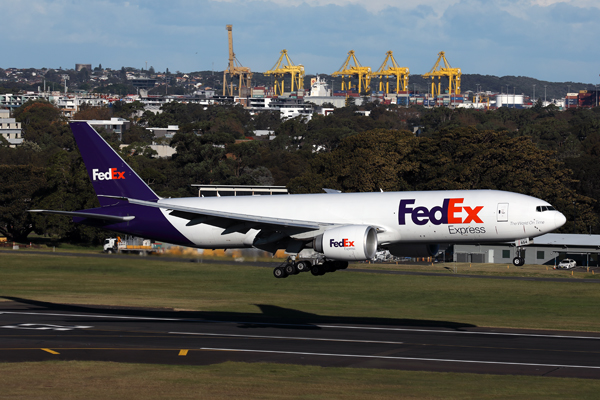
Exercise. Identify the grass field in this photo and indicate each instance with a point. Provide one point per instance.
(150, 282)
(527, 271)
(255, 293)
(103, 380)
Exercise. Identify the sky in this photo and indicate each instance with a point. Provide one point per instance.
(549, 40)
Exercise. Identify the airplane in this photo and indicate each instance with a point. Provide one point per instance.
(340, 227)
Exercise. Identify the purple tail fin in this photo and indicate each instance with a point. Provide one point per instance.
(109, 173)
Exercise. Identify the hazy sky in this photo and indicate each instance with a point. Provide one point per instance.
(546, 39)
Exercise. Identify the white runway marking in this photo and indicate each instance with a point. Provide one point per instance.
(46, 327)
(401, 358)
(284, 337)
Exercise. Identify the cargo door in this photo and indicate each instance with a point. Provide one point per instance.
(502, 213)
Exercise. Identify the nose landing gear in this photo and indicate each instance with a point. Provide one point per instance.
(519, 259)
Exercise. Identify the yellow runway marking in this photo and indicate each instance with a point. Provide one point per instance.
(183, 352)
(51, 351)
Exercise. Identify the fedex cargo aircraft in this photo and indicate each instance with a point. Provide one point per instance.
(341, 227)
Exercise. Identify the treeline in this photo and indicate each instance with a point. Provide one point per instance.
(543, 152)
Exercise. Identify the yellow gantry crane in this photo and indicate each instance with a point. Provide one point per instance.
(235, 68)
(279, 70)
(453, 75)
(390, 68)
(363, 74)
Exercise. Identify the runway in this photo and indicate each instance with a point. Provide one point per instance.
(37, 331)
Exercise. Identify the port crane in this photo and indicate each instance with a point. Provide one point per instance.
(347, 71)
(439, 71)
(390, 68)
(279, 71)
(235, 68)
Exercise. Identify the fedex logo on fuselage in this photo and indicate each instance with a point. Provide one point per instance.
(444, 214)
(112, 173)
(341, 243)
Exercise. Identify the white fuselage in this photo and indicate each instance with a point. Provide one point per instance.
(400, 217)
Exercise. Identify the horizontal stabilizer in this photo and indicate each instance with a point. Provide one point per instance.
(86, 215)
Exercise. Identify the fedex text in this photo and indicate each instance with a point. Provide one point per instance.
(447, 213)
(341, 243)
(111, 174)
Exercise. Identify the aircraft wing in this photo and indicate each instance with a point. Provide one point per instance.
(231, 222)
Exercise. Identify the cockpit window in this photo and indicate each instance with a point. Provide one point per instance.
(544, 208)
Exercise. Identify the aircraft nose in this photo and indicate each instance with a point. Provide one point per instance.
(559, 219)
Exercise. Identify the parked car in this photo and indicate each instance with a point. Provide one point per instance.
(567, 263)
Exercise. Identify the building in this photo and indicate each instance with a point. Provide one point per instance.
(69, 105)
(79, 67)
(167, 132)
(10, 129)
(547, 249)
(116, 125)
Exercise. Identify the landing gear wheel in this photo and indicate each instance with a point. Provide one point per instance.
(279, 272)
(290, 269)
(302, 266)
(518, 261)
(317, 270)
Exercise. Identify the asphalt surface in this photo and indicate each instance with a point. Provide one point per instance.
(38, 331)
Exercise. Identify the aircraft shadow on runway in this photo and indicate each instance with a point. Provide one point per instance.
(270, 316)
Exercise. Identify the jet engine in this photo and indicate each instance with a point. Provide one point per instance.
(413, 250)
(348, 243)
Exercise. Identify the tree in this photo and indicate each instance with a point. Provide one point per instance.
(87, 112)
(44, 125)
(365, 162)
(67, 187)
(20, 184)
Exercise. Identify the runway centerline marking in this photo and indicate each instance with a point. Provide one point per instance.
(46, 327)
(284, 337)
(275, 324)
(400, 358)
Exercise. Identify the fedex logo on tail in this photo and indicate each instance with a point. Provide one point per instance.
(447, 213)
(341, 243)
(111, 174)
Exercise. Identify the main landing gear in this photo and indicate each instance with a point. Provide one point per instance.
(295, 267)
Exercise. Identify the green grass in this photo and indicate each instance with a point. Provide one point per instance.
(390, 299)
(530, 271)
(104, 380)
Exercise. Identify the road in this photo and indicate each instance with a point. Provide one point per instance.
(37, 331)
